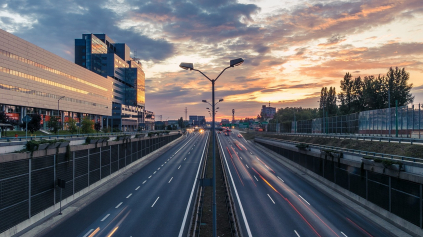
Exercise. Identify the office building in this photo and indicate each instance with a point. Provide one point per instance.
(197, 120)
(100, 54)
(35, 81)
(268, 112)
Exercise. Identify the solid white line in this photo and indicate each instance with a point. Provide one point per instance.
(247, 166)
(170, 180)
(149, 176)
(129, 195)
(179, 167)
(104, 218)
(88, 233)
(155, 172)
(344, 234)
(255, 178)
(119, 205)
(155, 202)
(247, 226)
(271, 198)
(181, 231)
(137, 188)
(144, 181)
(280, 179)
(297, 233)
(304, 200)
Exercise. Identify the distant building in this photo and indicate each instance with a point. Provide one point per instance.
(149, 120)
(268, 112)
(197, 120)
(100, 54)
(224, 121)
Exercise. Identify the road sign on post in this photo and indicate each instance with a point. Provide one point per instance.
(26, 120)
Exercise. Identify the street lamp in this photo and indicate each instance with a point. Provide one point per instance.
(58, 113)
(190, 66)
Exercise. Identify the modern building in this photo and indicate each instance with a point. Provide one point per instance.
(224, 121)
(149, 120)
(35, 81)
(197, 120)
(268, 112)
(100, 54)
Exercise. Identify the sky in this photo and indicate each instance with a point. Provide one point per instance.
(291, 48)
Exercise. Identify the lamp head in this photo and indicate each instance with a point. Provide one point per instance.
(187, 66)
(220, 100)
(236, 62)
(217, 108)
(207, 108)
(204, 101)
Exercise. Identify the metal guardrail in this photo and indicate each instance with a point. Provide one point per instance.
(351, 151)
(356, 137)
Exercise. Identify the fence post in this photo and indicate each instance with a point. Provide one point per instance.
(390, 195)
(367, 186)
(88, 174)
(73, 173)
(420, 121)
(118, 155)
(110, 158)
(54, 179)
(100, 162)
(29, 186)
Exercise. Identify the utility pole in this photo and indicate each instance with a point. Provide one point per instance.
(186, 112)
(233, 116)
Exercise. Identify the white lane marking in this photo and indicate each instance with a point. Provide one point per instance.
(155, 202)
(129, 195)
(154, 172)
(158, 168)
(104, 218)
(255, 178)
(297, 233)
(247, 166)
(247, 226)
(189, 152)
(271, 198)
(179, 167)
(162, 165)
(149, 176)
(344, 234)
(240, 157)
(165, 162)
(144, 181)
(280, 179)
(304, 200)
(88, 233)
(119, 205)
(185, 158)
(181, 231)
(137, 188)
(251, 153)
(170, 180)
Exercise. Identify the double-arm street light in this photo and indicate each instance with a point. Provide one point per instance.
(190, 66)
(58, 110)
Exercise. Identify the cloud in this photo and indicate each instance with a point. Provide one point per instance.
(335, 39)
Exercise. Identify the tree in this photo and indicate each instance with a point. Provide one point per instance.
(4, 119)
(87, 125)
(97, 126)
(181, 123)
(397, 81)
(71, 123)
(54, 124)
(33, 125)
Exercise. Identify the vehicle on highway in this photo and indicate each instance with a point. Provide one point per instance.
(218, 132)
(226, 134)
(239, 135)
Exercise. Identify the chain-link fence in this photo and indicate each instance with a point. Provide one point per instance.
(404, 121)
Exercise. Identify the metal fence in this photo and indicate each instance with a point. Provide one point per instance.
(401, 197)
(27, 187)
(404, 121)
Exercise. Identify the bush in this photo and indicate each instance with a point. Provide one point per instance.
(71, 123)
(87, 125)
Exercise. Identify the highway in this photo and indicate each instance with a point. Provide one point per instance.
(273, 201)
(155, 201)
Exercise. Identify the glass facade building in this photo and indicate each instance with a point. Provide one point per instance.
(32, 80)
(100, 54)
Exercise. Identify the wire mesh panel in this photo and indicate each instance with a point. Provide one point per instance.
(42, 183)
(105, 161)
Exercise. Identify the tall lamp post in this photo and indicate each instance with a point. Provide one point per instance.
(58, 110)
(190, 66)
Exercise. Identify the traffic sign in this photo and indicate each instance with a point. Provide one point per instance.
(27, 119)
(264, 122)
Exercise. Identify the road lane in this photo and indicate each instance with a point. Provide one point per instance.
(145, 204)
(310, 212)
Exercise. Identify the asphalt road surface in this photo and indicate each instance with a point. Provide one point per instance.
(155, 201)
(273, 201)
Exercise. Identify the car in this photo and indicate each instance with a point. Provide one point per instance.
(218, 132)
(226, 134)
(239, 135)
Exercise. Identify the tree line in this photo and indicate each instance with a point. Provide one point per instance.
(356, 95)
